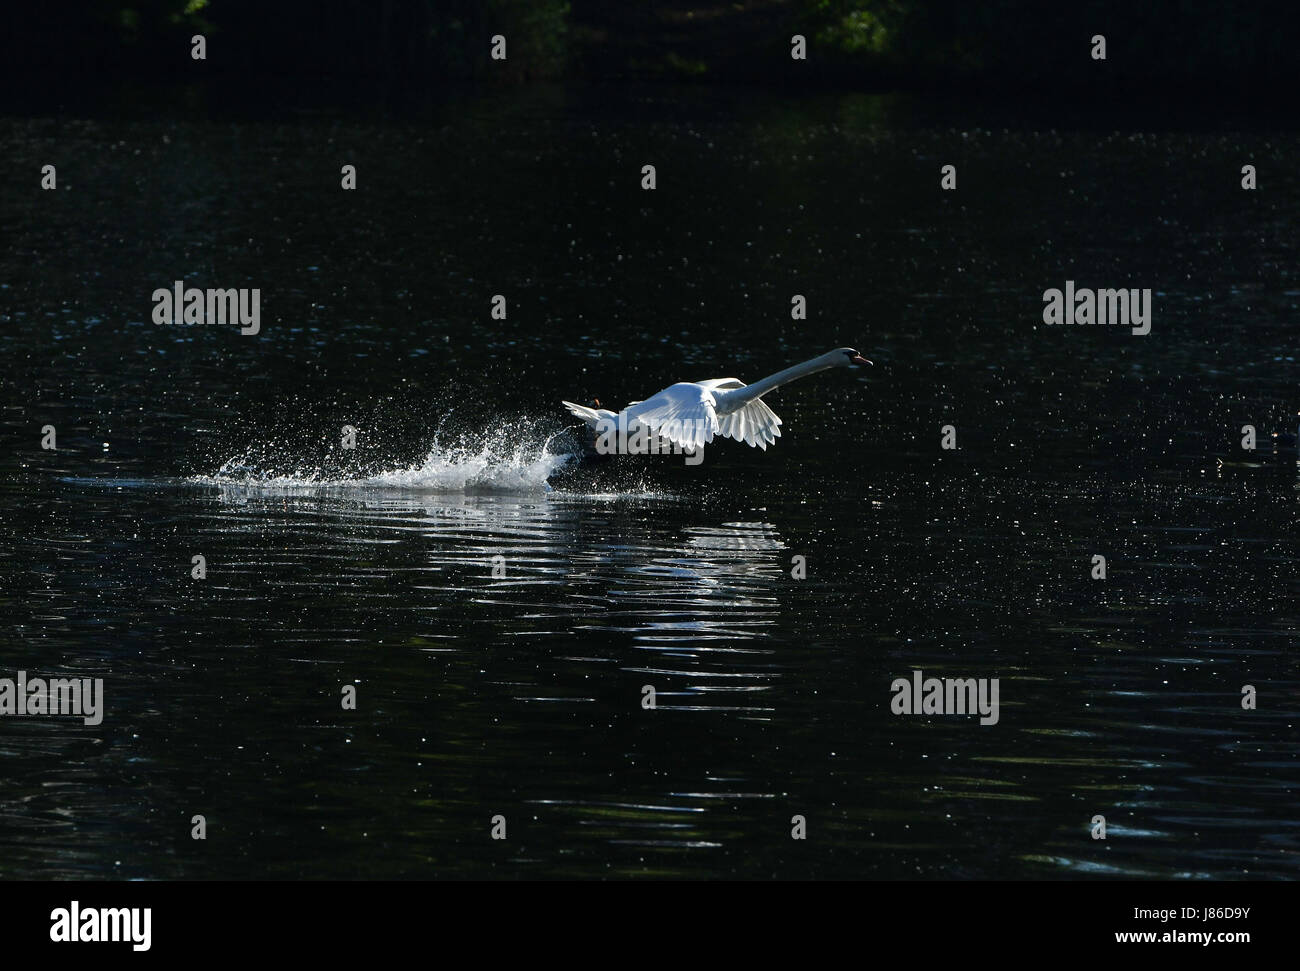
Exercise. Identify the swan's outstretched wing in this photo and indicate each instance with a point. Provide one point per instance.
(682, 415)
(754, 423)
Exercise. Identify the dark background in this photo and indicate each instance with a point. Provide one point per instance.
(1189, 47)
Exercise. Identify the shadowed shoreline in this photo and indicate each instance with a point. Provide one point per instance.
(1180, 51)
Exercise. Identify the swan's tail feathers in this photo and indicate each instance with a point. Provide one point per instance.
(755, 424)
(588, 415)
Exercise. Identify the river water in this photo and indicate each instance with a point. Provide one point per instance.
(518, 692)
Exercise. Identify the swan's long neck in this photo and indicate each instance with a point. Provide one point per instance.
(743, 396)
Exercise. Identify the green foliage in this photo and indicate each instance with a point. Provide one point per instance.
(147, 21)
(541, 28)
(1020, 39)
(885, 42)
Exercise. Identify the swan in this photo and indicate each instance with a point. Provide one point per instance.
(689, 414)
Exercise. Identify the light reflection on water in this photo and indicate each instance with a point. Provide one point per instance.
(524, 691)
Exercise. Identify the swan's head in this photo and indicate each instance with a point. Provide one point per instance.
(850, 357)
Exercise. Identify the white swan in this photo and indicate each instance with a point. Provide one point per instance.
(690, 413)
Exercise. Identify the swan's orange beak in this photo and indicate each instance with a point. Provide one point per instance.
(858, 359)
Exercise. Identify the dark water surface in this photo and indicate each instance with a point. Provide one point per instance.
(521, 695)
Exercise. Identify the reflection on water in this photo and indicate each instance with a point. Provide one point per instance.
(515, 686)
(521, 692)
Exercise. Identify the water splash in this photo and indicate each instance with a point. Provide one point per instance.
(513, 458)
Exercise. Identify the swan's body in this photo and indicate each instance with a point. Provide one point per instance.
(689, 414)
